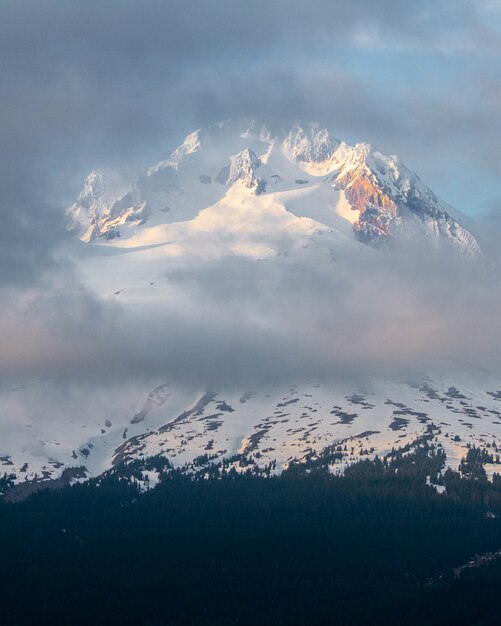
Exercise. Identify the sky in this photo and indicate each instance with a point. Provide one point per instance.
(111, 83)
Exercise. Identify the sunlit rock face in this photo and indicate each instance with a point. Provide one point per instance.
(378, 212)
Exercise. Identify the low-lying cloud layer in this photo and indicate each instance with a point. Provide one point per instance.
(237, 322)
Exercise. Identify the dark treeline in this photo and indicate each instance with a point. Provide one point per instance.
(374, 547)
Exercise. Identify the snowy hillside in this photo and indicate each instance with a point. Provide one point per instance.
(261, 429)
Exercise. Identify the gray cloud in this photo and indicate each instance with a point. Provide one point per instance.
(113, 83)
(238, 323)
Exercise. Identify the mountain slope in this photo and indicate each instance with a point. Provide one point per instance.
(261, 429)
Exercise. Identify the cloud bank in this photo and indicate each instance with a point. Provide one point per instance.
(237, 322)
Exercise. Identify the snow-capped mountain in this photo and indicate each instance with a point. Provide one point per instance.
(379, 198)
(281, 201)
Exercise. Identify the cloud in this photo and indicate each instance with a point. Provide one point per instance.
(121, 82)
(237, 322)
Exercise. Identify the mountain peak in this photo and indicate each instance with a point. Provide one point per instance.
(311, 174)
(242, 167)
(192, 143)
(310, 144)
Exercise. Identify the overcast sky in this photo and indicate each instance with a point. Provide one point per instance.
(88, 84)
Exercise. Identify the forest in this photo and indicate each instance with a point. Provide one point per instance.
(375, 546)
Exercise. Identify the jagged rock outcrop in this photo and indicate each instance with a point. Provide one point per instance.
(242, 167)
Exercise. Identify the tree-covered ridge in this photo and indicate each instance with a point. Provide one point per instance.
(375, 546)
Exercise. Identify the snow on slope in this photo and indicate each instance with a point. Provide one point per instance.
(296, 424)
(266, 428)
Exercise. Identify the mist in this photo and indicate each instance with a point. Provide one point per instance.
(235, 322)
